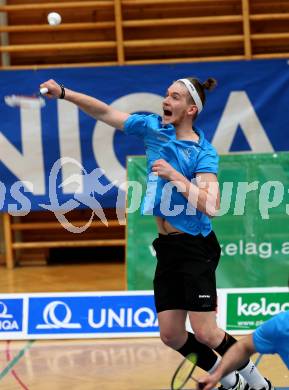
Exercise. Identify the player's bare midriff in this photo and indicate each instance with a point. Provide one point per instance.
(164, 227)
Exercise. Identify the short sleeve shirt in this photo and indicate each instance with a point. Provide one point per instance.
(273, 336)
(187, 157)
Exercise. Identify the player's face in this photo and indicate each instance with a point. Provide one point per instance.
(176, 104)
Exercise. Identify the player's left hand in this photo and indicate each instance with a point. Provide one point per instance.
(163, 169)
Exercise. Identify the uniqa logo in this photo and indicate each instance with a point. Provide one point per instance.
(144, 317)
(54, 322)
(6, 320)
(262, 307)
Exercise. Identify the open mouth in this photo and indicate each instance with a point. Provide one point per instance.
(167, 113)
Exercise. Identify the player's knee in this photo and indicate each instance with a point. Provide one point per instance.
(170, 339)
(204, 337)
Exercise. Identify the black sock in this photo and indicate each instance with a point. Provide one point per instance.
(227, 342)
(206, 357)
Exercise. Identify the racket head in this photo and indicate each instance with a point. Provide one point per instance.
(23, 101)
(184, 372)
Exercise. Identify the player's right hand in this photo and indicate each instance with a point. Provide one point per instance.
(207, 383)
(54, 89)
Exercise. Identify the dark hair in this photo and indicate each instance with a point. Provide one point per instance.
(209, 84)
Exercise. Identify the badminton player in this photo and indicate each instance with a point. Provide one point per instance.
(269, 338)
(183, 194)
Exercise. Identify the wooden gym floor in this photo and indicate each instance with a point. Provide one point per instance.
(98, 364)
(130, 364)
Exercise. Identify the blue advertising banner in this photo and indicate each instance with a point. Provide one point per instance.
(11, 315)
(55, 157)
(78, 315)
(115, 314)
(102, 314)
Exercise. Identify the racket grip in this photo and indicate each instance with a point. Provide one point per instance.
(43, 90)
(201, 385)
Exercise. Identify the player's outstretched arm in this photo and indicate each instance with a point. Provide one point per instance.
(235, 357)
(93, 107)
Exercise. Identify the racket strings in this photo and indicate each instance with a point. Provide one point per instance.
(184, 372)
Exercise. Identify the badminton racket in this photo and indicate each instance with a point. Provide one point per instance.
(184, 372)
(26, 101)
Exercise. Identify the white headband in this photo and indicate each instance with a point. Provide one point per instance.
(193, 92)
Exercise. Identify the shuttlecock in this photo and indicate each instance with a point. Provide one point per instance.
(54, 18)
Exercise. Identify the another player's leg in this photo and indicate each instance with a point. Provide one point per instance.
(207, 332)
(249, 371)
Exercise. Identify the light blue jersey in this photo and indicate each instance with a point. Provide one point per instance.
(187, 157)
(273, 336)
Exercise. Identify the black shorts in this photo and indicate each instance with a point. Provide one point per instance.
(185, 272)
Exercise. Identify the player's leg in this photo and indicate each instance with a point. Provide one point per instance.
(170, 292)
(172, 327)
(174, 335)
(207, 332)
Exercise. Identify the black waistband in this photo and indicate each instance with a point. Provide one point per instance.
(175, 233)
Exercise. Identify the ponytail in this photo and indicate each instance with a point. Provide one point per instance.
(210, 84)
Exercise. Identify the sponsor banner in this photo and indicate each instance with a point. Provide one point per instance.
(55, 157)
(246, 311)
(98, 315)
(254, 203)
(11, 316)
(122, 314)
(78, 315)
